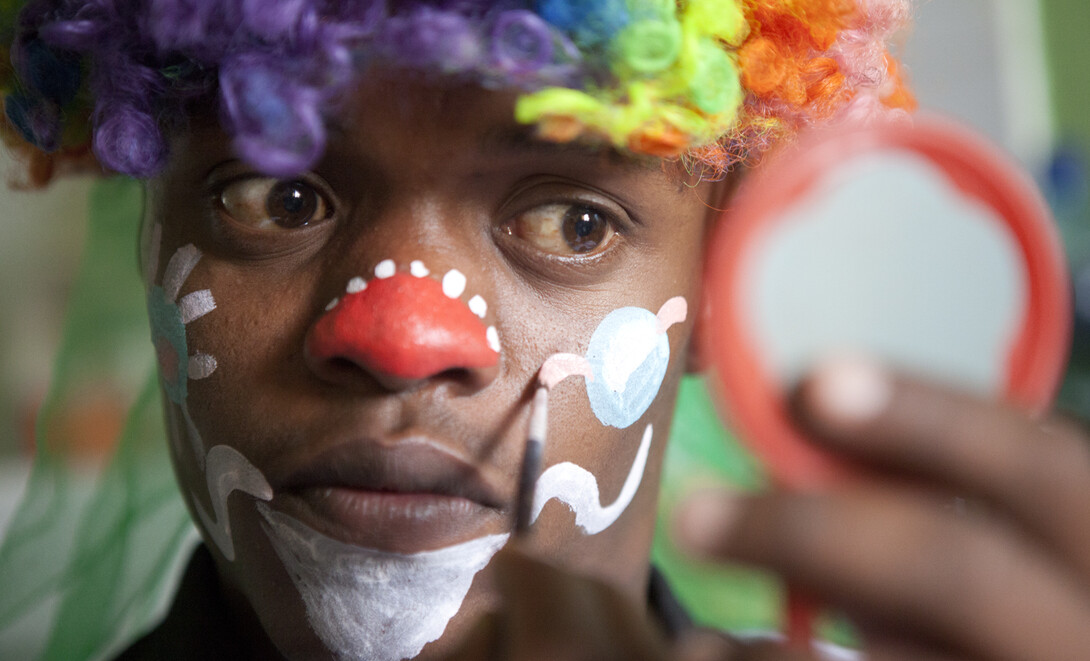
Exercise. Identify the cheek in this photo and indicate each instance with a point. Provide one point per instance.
(257, 337)
(577, 435)
(253, 338)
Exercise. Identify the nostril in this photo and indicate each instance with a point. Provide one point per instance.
(338, 365)
(469, 380)
(457, 375)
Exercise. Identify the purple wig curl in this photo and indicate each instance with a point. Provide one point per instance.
(275, 120)
(274, 66)
(522, 43)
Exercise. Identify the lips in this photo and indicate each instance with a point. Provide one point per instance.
(404, 496)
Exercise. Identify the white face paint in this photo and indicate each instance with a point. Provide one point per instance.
(366, 603)
(226, 470)
(377, 605)
(624, 367)
(625, 364)
(369, 604)
(577, 487)
(627, 349)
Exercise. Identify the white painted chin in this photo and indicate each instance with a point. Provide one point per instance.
(376, 605)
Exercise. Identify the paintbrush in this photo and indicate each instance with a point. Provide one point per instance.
(531, 460)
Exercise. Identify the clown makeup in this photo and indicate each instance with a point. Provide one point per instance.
(360, 326)
(397, 248)
(625, 363)
(578, 489)
(376, 353)
(629, 351)
(370, 604)
(169, 317)
(226, 470)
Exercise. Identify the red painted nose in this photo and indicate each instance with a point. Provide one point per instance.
(403, 327)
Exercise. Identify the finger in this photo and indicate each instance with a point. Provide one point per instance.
(553, 615)
(898, 558)
(1039, 472)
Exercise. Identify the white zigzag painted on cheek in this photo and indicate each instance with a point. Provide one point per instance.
(227, 470)
(578, 489)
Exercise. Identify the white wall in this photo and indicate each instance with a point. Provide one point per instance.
(983, 61)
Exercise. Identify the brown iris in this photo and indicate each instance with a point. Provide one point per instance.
(563, 229)
(272, 204)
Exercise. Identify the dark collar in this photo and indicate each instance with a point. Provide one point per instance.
(198, 625)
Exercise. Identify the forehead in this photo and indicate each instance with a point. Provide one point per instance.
(432, 128)
(443, 123)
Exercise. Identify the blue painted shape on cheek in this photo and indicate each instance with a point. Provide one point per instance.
(629, 358)
(168, 335)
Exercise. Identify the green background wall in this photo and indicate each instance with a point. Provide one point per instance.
(1067, 26)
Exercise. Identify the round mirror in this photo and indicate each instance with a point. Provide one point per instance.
(917, 245)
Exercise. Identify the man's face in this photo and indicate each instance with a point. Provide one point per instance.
(419, 455)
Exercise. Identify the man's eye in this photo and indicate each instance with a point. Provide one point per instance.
(274, 204)
(563, 229)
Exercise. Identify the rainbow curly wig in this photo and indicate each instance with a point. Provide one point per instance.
(713, 81)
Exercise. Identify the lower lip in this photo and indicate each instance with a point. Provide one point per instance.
(389, 521)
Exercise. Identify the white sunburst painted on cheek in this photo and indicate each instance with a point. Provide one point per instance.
(195, 305)
(170, 315)
(225, 469)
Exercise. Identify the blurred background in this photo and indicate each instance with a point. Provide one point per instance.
(1014, 69)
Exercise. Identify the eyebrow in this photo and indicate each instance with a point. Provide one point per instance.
(525, 140)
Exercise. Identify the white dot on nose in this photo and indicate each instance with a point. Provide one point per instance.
(356, 285)
(454, 283)
(417, 268)
(385, 269)
(478, 307)
(493, 338)
(332, 304)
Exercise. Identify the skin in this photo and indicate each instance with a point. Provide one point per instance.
(445, 176)
(1005, 576)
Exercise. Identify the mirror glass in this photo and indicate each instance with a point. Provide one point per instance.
(885, 257)
(919, 246)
